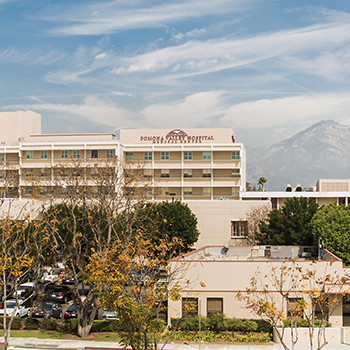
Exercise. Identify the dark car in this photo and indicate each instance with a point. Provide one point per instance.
(71, 312)
(61, 294)
(52, 310)
(68, 279)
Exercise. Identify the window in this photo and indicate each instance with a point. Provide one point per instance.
(206, 191)
(187, 172)
(94, 153)
(129, 155)
(274, 203)
(235, 191)
(164, 173)
(214, 305)
(189, 306)
(147, 155)
(64, 154)
(235, 155)
(206, 173)
(235, 173)
(29, 154)
(43, 154)
(109, 153)
(294, 307)
(147, 173)
(187, 191)
(239, 229)
(165, 191)
(188, 155)
(76, 154)
(164, 155)
(2, 157)
(206, 155)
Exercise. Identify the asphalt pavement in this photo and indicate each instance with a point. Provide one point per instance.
(47, 344)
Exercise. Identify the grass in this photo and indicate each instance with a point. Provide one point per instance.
(44, 334)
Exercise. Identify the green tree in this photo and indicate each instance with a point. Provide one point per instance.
(332, 224)
(290, 224)
(262, 181)
(164, 221)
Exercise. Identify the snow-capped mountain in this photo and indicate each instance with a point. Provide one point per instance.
(322, 151)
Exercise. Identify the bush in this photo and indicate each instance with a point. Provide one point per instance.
(106, 326)
(263, 326)
(249, 326)
(71, 325)
(217, 322)
(50, 325)
(190, 323)
(31, 323)
(16, 324)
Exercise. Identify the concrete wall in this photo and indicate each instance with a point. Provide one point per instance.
(214, 219)
(220, 278)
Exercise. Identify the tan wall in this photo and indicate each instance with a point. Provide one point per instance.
(218, 278)
(214, 219)
(18, 126)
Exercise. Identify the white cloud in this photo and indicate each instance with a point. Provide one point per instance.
(93, 108)
(108, 17)
(199, 109)
(295, 110)
(195, 57)
(35, 57)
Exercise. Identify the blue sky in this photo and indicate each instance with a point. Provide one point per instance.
(265, 68)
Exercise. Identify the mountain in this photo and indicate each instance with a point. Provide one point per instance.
(321, 151)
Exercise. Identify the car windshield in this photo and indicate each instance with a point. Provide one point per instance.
(22, 287)
(11, 304)
(48, 307)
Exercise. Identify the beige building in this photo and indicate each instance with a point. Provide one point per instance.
(199, 164)
(234, 267)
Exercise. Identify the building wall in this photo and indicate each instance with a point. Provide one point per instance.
(214, 220)
(224, 279)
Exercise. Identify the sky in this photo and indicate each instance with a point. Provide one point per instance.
(265, 68)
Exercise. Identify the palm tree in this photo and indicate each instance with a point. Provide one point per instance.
(262, 181)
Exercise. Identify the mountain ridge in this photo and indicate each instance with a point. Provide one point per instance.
(320, 151)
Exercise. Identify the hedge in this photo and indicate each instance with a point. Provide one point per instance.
(16, 324)
(220, 323)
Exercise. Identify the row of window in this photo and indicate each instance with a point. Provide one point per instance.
(190, 306)
(109, 153)
(187, 155)
(188, 191)
(188, 172)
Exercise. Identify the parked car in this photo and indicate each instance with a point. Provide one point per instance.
(50, 276)
(61, 294)
(52, 310)
(68, 279)
(24, 290)
(21, 310)
(110, 315)
(71, 312)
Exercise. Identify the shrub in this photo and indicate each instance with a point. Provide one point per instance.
(216, 322)
(71, 325)
(16, 324)
(105, 326)
(248, 326)
(263, 326)
(31, 323)
(49, 324)
(234, 324)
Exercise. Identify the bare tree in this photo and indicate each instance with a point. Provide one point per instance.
(257, 214)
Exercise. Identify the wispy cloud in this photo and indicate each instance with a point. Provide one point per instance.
(108, 17)
(35, 57)
(196, 57)
(94, 108)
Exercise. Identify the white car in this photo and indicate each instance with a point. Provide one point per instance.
(21, 290)
(50, 276)
(21, 310)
